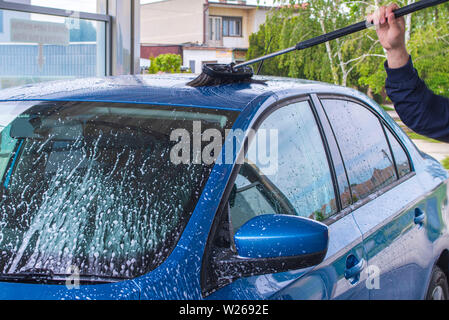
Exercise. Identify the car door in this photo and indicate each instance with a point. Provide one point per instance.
(385, 197)
(297, 177)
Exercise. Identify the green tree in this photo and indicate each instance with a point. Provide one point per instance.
(356, 60)
(296, 21)
(428, 45)
(86, 32)
(168, 63)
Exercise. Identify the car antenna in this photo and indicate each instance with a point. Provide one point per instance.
(219, 74)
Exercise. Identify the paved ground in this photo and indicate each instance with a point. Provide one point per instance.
(439, 151)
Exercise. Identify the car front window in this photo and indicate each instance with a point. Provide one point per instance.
(301, 184)
(92, 186)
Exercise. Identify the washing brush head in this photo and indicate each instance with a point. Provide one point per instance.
(219, 74)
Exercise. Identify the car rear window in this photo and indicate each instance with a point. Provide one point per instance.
(92, 186)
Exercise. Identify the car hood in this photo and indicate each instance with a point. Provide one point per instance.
(126, 290)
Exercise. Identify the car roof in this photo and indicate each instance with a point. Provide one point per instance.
(158, 89)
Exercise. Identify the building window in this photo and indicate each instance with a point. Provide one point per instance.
(90, 6)
(232, 27)
(56, 45)
(215, 28)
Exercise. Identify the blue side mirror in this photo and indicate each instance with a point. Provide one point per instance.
(282, 236)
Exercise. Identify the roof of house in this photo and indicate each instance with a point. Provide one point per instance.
(238, 5)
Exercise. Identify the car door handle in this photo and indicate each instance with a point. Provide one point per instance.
(419, 216)
(354, 271)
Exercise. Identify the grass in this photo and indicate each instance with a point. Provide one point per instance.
(445, 163)
(387, 108)
(415, 136)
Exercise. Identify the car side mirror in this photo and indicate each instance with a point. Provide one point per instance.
(267, 244)
(278, 236)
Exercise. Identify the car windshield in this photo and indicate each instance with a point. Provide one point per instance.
(91, 186)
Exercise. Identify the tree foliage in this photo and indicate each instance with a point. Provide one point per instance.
(356, 60)
(85, 32)
(167, 63)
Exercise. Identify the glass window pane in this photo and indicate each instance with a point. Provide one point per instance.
(7, 145)
(301, 184)
(215, 27)
(94, 185)
(91, 6)
(399, 155)
(363, 145)
(250, 200)
(211, 30)
(37, 48)
(231, 27)
(225, 27)
(1, 21)
(340, 170)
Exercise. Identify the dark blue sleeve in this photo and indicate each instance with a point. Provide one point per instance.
(418, 107)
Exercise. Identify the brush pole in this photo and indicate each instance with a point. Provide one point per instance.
(417, 6)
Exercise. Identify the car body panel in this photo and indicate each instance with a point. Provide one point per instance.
(178, 277)
(126, 290)
(325, 281)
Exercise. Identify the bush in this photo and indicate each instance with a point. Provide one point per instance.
(168, 63)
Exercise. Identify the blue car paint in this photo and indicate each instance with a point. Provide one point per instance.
(272, 236)
(357, 234)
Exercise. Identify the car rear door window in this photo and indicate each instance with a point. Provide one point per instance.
(302, 184)
(364, 148)
(400, 156)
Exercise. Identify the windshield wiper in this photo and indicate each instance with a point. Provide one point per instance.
(45, 276)
(29, 275)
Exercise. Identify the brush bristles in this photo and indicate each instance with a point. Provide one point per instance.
(201, 81)
(204, 80)
(220, 74)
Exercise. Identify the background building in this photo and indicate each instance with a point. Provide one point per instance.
(43, 40)
(206, 31)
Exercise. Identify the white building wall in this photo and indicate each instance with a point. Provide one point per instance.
(201, 56)
(260, 17)
(235, 42)
(172, 22)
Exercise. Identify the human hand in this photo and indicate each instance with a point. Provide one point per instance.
(391, 33)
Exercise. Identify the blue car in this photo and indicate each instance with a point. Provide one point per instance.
(145, 188)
